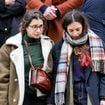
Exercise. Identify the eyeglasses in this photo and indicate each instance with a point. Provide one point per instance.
(35, 27)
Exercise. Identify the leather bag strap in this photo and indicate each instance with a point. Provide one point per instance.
(29, 56)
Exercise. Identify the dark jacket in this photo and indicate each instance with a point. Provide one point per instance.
(10, 17)
(2, 5)
(95, 82)
(95, 12)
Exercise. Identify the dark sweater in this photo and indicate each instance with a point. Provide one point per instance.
(78, 71)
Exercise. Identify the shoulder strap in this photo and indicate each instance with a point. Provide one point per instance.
(29, 56)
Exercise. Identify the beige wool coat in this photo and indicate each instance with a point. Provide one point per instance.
(12, 85)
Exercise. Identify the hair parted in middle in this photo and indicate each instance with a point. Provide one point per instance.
(75, 16)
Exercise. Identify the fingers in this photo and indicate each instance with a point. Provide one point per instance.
(53, 9)
(102, 102)
(50, 13)
(9, 2)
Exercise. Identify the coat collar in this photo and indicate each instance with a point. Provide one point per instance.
(17, 39)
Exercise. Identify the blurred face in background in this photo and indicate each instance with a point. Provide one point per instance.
(75, 30)
(35, 28)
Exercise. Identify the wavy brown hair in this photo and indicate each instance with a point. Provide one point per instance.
(28, 17)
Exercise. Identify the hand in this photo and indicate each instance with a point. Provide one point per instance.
(53, 8)
(9, 2)
(102, 102)
(50, 13)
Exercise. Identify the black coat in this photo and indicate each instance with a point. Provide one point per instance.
(10, 17)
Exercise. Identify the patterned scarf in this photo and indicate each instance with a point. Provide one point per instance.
(97, 53)
(97, 58)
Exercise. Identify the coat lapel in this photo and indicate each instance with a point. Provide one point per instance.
(16, 57)
(46, 46)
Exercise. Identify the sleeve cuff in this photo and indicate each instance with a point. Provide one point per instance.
(43, 8)
(58, 13)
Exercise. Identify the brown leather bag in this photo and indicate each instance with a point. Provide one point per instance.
(41, 80)
(38, 78)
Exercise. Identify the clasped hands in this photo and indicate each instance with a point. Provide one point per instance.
(10, 2)
(50, 13)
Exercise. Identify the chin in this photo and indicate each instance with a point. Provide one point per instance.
(37, 37)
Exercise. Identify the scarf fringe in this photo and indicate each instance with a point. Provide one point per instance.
(98, 66)
(59, 99)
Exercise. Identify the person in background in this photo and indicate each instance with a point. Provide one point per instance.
(11, 12)
(78, 64)
(94, 10)
(53, 10)
(15, 64)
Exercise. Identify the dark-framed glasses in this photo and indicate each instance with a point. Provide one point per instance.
(36, 27)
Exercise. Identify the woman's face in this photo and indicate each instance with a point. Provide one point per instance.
(75, 30)
(35, 28)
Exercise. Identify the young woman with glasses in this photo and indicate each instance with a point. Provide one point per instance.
(15, 64)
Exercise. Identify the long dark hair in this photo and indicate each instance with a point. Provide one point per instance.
(76, 16)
